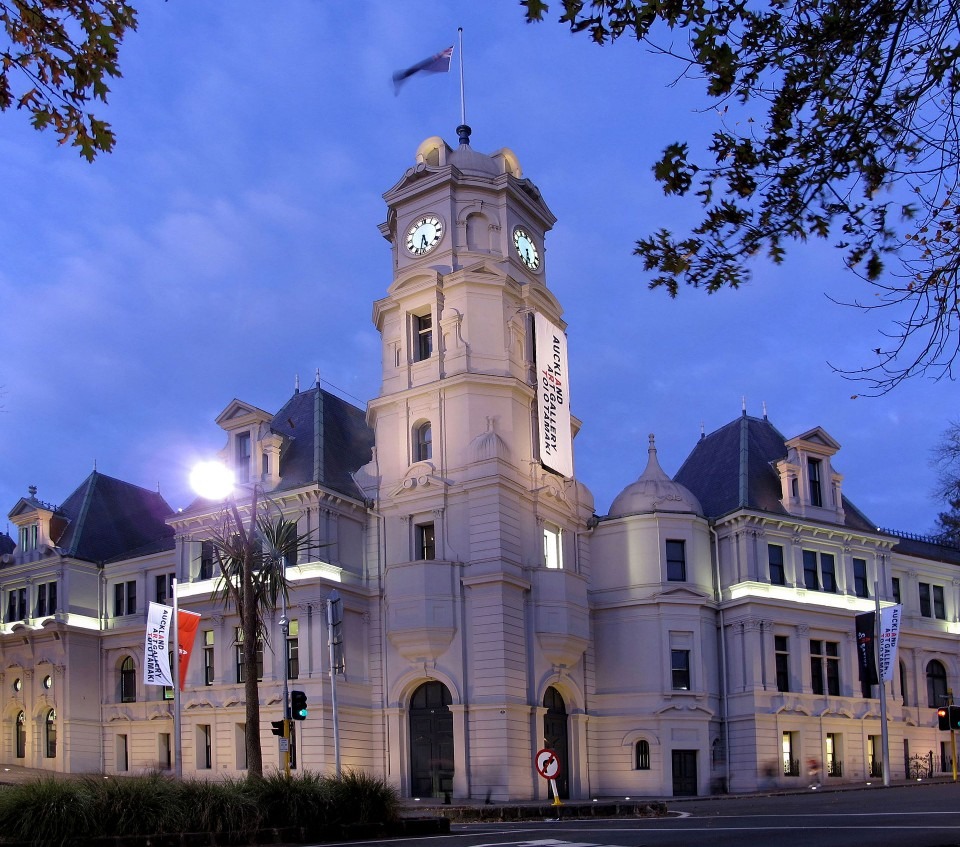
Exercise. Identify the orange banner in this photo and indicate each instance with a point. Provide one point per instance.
(187, 624)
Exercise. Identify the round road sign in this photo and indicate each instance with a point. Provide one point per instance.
(548, 764)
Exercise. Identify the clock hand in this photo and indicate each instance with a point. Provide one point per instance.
(423, 242)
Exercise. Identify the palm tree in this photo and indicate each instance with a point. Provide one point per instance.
(252, 562)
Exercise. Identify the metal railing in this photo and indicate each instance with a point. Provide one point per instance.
(791, 768)
(835, 768)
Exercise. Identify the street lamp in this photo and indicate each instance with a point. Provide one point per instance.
(212, 480)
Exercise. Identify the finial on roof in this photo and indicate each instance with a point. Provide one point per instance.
(703, 432)
(318, 377)
(743, 405)
(764, 409)
(651, 446)
(94, 465)
(463, 133)
(32, 490)
(296, 384)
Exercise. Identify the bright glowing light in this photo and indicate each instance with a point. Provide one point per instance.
(212, 480)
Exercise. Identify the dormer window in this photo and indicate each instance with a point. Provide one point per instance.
(29, 537)
(241, 447)
(816, 492)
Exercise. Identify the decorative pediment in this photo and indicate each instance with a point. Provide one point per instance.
(238, 414)
(421, 476)
(489, 444)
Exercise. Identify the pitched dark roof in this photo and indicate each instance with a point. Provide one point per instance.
(328, 441)
(734, 468)
(109, 519)
(926, 548)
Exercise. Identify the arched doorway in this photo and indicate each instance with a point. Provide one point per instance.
(431, 742)
(555, 736)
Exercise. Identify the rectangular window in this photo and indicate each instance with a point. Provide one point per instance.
(825, 667)
(782, 657)
(240, 743)
(241, 454)
(816, 493)
(293, 650)
(676, 561)
(423, 337)
(28, 538)
(860, 587)
(164, 751)
(791, 764)
(240, 671)
(206, 560)
(775, 560)
(46, 599)
(925, 608)
(828, 572)
(123, 762)
(810, 579)
(17, 604)
(939, 609)
(895, 589)
(131, 597)
(163, 584)
(425, 541)
(208, 660)
(552, 547)
(680, 669)
(833, 763)
(204, 747)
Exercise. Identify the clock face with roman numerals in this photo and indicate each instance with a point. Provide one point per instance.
(424, 234)
(526, 249)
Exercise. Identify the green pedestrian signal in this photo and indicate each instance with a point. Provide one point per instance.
(298, 705)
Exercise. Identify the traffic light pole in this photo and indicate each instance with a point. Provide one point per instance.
(953, 735)
(285, 629)
(334, 613)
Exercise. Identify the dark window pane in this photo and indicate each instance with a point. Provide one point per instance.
(676, 561)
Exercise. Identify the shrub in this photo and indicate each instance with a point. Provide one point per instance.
(46, 811)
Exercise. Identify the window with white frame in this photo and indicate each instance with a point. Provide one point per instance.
(423, 442)
(552, 546)
(46, 599)
(931, 601)
(28, 538)
(814, 469)
(860, 585)
(124, 598)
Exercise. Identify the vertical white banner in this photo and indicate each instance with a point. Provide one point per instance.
(156, 650)
(553, 397)
(889, 635)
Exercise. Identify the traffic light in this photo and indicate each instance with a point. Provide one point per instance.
(298, 705)
(954, 717)
(277, 727)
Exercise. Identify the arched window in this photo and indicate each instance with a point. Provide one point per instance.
(51, 734)
(643, 755)
(936, 684)
(903, 684)
(423, 446)
(128, 681)
(21, 737)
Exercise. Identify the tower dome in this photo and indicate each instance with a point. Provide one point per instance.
(654, 491)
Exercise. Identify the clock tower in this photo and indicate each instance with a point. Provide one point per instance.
(484, 600)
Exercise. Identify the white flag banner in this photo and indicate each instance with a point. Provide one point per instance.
(889, 635)
(553, 396)
(156, 651)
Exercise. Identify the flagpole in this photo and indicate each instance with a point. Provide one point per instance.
(463, 104)
(178, 765)
(884, 735)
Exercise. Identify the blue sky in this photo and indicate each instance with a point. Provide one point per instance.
(230, 243)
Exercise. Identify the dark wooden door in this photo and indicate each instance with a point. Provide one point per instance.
(684, 773)
(555, 737)
(431, 742)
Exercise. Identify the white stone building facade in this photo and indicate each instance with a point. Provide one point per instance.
(697, 638)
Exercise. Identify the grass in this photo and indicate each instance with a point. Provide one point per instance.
(48, 812)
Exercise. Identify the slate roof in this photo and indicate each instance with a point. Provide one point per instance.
(109, 519)
(329, 440)
(924, 548)
(734, 468)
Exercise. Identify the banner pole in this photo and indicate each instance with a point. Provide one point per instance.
(884, 735)
(177, 747)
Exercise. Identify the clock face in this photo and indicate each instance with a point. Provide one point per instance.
(424, 234)
(526, 249)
